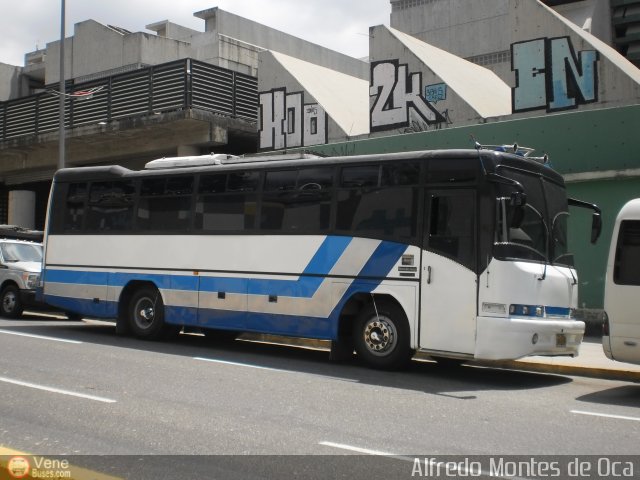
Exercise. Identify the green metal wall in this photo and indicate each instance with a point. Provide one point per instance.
(605, 142)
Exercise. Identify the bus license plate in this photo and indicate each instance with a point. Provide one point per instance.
(561, 340)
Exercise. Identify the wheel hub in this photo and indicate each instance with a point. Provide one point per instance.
(144, 313)
(379, 335)
(147, 313)
(9, 302)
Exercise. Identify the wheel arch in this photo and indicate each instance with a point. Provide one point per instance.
(126, 294)
(361, 299)
(8, 282)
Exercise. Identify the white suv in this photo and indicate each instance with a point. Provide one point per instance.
(20, 267)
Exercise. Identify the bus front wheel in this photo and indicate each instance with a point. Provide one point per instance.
(381, 336)
(146, 314)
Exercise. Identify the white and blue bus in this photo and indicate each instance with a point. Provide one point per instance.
(461, 254)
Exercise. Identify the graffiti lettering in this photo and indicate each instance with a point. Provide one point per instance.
(435, 93)
(550, 75)
(396, 95)
(286, 122)
(417, 126)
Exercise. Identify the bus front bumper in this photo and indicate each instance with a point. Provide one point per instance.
(508, 338)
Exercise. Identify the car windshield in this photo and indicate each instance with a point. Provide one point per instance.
(21, 252)
(539, 232)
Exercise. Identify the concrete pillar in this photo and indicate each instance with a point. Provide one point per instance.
(22, 208)
(188, 151)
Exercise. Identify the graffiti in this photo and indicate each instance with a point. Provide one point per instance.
(435, 93)
(417, 126)
(550, 75)
(287, 122)
(396, 97)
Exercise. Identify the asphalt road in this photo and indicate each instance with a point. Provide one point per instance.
(75, 388)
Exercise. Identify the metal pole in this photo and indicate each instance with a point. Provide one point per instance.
(61, 129)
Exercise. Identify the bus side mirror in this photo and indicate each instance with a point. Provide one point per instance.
(596, 227)
(518, 199)
(517, 215)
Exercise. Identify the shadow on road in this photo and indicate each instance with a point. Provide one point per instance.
(626, 396)
(423, 376)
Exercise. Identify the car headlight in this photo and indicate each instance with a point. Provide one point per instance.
(31, 280)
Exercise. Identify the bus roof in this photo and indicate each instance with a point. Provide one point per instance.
(490, 159)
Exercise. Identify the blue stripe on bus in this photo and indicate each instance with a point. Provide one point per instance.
(557, 311)
(376, 269)
(378, 266)
(322, 262)
(86, 307)
(77, 276)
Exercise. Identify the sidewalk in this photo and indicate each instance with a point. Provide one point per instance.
(591, 362)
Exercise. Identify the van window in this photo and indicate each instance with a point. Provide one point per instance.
(626, 271)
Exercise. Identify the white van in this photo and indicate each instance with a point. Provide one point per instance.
(621, 330)
(20, 266)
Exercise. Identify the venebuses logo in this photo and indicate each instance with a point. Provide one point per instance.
(18, 467)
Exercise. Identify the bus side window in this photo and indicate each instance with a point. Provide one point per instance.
(627, 258)
(400, 173)
(226, 203)
(364, 208)
(165, 204)
(75, 207)
(297, 201)
(111, 206)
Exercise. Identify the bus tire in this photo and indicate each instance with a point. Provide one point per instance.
(10, 304)
(381, 336)
(146, 314)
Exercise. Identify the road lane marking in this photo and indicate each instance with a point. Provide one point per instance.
(365, 451)
(258, 367)
(56, 390)
(40, 337)
(606, 415)
(237, 364)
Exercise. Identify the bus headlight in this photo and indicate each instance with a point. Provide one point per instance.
(31, 280)
(526, 310)
(494, 308)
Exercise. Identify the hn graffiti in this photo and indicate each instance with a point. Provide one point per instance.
(550, 75)
(396, 98)
(287, 122)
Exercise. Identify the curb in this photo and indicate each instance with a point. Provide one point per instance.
(573, 370)
(524, 365)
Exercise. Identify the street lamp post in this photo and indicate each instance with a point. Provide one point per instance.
(61, 133)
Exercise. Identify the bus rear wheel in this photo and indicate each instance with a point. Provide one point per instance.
(146, 314)
(381, 336)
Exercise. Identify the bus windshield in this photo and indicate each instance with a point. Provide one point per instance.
(536, 231)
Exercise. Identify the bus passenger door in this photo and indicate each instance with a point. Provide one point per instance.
(449, 282)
